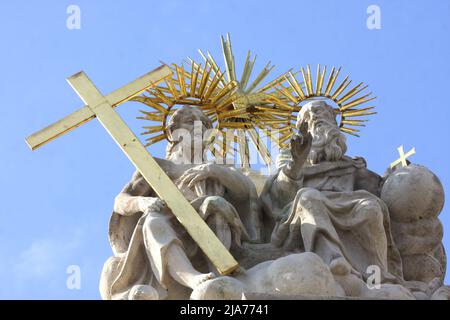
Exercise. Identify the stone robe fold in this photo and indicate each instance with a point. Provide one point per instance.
(327, 212)
(133, 237)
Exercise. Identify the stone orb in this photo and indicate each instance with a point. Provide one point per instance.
(412, 193)
(301, 274)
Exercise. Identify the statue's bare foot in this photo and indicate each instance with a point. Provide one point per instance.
(196, 280)
(340, 267)
(143, 292)
(220, 288)
(352, 285)
(347, 278)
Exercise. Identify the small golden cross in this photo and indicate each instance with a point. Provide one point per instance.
(403, 157)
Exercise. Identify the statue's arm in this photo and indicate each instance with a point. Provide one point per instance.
(285, 186)
(136, 195)
(300, 148)
(130, 200)
(289, 178)
(238, 185)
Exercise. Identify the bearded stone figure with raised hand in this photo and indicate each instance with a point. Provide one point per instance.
(324, 202)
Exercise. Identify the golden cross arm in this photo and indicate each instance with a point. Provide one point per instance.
(102, 107)
(85, 113)
(403, 157)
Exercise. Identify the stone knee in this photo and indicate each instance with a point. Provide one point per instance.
(156, 225)
(374, 212)
(308, 199)
(109, 273)
(307, 195)
(221, 217)
(214, 203)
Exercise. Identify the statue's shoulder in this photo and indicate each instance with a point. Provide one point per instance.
(361, 167)
(136, 176)
(366, 179)
(137, 184)
(358, 162)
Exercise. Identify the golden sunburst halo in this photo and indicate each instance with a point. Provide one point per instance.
(236, 107)
(349, 102)
(242, 109)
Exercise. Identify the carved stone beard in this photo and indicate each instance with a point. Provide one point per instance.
(328, 144)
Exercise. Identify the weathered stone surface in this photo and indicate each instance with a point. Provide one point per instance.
(295, 274)
(413, 193)
(223, 288)
(415, 197)
(443, 293)
(322, 227)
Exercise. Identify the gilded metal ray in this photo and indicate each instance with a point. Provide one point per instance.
(348, 99)
(246, 105)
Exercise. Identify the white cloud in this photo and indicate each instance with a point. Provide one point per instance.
(45, 256)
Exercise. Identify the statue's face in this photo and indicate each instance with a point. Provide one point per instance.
(321, 122)
(186, 128)
(328, 142)
(189, 119)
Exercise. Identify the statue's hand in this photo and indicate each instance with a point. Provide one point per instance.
(199, 173)
(300, 148)
(301, 145)
(151, 204)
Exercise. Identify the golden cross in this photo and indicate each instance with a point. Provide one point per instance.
(403, 157)
(102, 107)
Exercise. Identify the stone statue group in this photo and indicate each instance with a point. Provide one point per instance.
(323, 225)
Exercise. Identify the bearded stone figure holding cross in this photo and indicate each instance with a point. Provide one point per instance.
(154, 255)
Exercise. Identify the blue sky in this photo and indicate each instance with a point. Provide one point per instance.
(56, 201)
